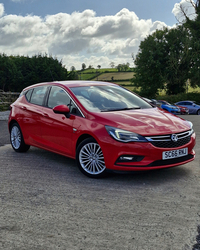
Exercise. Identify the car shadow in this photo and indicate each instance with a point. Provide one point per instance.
(152, 177)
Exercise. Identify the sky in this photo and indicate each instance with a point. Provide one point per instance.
(83, 31)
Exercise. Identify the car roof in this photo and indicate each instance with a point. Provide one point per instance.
(72, 83)
(186, 101)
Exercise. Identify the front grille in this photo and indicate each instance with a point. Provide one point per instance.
(165, 141)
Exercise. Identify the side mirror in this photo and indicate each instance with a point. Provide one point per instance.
(62, 109)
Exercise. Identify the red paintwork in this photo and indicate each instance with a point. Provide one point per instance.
(41, 127)
(184, 110)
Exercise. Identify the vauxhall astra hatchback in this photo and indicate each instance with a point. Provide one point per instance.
(101, 125)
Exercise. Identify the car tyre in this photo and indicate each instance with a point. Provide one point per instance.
(17, 140)
(90, 159)
(198, 112)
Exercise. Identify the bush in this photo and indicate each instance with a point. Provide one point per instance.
(193, 96)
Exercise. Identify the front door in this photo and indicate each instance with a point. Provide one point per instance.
(57, 129)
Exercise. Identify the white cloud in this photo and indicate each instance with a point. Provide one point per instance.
(1, 9)
(18, 1)
(76, 38)
(184, 7)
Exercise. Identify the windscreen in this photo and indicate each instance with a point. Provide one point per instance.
(105, 98)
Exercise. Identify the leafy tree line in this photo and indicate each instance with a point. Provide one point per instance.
(18, 72)
(169, 59)
(120, 67)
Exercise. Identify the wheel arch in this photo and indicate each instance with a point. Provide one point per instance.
(11, 123)
(82, 138)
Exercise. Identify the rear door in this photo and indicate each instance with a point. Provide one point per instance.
(31, 114)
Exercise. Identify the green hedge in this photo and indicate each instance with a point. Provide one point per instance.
(193, 96)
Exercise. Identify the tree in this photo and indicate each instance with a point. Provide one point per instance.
(178, 60)
(8, 73)
(190, 17)
(119, 67)
(99, 66)
(73, 68)
(112, 65)
(194, 27)
(149, 65)
(186, 10)
(83, 66)
(126, 66)
(18, 72)
(163, 62)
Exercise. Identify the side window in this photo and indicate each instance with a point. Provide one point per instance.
(57, 97)
(38, 95)
(188, 103)
(28, 94)
(74, 110)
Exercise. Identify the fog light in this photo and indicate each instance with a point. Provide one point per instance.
(126, 158)
(129, 158)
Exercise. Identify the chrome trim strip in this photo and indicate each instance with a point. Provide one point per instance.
(168, 137)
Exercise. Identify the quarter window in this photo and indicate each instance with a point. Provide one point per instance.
(28, 94)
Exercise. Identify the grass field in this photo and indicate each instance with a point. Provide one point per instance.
(104, 74)
(121, 78)
(115, 75)
(86, 76)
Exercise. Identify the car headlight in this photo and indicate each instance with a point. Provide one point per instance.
(190, 123)
(191, 127)
(124, 135)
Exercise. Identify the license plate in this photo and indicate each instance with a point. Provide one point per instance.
(174, 153)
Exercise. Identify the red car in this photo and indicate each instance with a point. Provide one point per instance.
(101, 125)
(184, 110)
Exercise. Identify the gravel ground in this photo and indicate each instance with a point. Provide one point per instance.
(47, 204)
(4, 115)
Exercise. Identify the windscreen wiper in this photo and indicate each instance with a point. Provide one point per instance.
(121, 109)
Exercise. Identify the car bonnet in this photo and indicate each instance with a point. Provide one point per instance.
(144, 121)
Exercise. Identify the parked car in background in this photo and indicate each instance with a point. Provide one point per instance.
(183, 110)
(149, 101)
(156, 103)
(169, 107)
(193, 107)
(101, 125)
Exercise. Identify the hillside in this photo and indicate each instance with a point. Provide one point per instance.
(118, 76)
(106, 75)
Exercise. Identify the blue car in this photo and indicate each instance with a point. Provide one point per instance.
(170, 108)
(194, 107)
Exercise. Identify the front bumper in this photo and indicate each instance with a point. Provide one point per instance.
(175, 112)
(150, 157)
